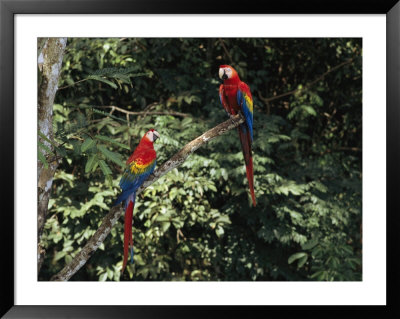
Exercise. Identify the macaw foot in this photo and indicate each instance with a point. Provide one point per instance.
(232, 118)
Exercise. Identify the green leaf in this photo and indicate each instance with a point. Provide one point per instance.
(107, 139)
(296, 256)
(165, 226)
(87, 144)
(42, 158)
(223, 219)
(45, 148)
(104, 167)
(103, 277)
(309, 109)
(90, 163)
(302, 261)
(109, 273)
(109, 180)
(76, 146)
(96, 163)
(115, 157)
(61, 151)
(162, 218)
(46, 139)
(59, 255)
(310, 244)
(123, 78)
(320, 275)
(98, 78)
(219, 231)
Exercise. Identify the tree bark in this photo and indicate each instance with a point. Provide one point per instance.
(115, 212)
(50, 55)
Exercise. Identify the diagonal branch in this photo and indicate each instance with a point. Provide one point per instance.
(115, 212)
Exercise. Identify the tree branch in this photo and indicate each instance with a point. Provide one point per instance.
(307, 86)
(225, 49)
(67, 86)
(115, 212)
(113, 107)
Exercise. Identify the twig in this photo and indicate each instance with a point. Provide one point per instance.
(115, 212)
(87, 79)
(340, 149)
(225, 49)
(148, 108)
(141, 113)
(129, 126)
(178, 235)
(267, 100)
(67, 86)
(354, 149)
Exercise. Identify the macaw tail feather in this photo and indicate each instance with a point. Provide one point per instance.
(245, 141)
(128, 240)
(249, 173)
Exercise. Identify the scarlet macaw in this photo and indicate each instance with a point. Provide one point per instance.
(235, 96)
(139, 166)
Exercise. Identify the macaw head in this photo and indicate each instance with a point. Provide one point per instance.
(151, 136)
(227, 72)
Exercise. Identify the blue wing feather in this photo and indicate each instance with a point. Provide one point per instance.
(246, 103)
(130, 182)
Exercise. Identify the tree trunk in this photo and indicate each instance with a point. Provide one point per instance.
(50, 55)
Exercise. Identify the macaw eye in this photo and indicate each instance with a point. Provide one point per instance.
(228, 70)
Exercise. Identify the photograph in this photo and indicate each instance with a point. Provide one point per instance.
(200, 159)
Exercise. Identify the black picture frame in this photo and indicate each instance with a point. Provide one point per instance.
(9, 8)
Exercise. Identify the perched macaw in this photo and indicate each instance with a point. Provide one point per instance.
(235, 96)
(139, 166)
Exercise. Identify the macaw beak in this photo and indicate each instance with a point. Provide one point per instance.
(224, 76)
(156, 135)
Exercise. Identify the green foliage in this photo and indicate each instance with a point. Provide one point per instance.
(196, 222)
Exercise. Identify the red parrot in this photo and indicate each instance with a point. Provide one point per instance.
(139, 166)
(236, 97)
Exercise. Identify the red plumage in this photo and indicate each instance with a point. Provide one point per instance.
(233, 103)
(139, 166)
(128, 240)
(144, 152)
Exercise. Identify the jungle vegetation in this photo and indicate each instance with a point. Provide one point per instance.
(197, 221)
